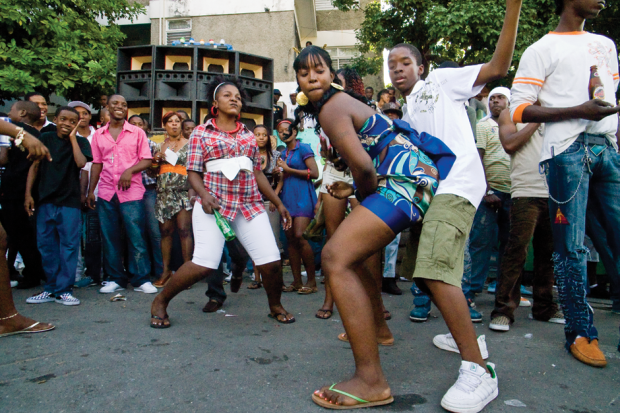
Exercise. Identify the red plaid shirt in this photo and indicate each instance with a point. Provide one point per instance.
(209, 143)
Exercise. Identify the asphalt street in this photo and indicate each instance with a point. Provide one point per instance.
(104, 357)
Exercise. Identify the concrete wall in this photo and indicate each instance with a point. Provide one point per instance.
(271, 35)
(338, 20)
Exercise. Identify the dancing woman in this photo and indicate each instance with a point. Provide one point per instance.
(224, 169)
(395, 183)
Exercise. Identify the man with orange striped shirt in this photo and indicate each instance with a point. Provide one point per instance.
(579, 154)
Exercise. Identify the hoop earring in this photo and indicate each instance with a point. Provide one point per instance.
(302, 99)
(214, 111)
(337, 86)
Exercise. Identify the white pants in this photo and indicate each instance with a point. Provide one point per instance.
(256, 237)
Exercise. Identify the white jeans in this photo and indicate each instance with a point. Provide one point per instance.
(256, 237)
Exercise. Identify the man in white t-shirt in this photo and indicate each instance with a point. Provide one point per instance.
(529, 217)
(436, 106)
(579, 153)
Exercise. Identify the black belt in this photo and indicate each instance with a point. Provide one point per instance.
(588, 139)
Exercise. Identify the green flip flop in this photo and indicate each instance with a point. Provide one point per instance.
(361, 402)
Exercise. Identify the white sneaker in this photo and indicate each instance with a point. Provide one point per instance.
(474, 389)
(525, 302)
(14, 284)
(146, 288)
(67, 299)
(227, 279)
(110, 287)
(43, 297)
(446, 342)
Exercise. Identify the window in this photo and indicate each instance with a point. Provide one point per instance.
(342, 56)
(322, 5)
(175, 29)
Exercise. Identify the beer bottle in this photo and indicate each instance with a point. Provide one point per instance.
(595, 87)
(224, 226)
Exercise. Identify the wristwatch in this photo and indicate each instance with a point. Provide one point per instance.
(490, 192)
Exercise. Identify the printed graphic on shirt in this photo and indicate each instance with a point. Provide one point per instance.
(428, 97)
(602, 56)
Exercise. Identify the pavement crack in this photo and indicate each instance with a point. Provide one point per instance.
(27, 360)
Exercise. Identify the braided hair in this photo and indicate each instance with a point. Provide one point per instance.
(316, 56)
(353, 81)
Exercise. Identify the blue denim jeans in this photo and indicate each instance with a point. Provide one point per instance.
(391, 255)
(490, 226)
(575, 177)
(112, 215)
(58, 239)
(152, 232)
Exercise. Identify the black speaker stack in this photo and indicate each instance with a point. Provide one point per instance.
(158, 79)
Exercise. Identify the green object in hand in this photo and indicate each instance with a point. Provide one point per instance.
(224, 226)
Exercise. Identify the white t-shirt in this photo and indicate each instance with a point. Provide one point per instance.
(291, 111)
(89, 165)
(437, 106)
(556, 71)
(527, 181)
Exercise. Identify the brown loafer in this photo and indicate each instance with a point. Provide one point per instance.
(212, 306)
(588, 352)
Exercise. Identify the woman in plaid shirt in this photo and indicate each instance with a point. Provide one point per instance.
(224, 169)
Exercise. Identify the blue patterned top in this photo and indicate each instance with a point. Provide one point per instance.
(413, 164)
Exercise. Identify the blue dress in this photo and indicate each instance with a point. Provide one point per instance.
(298, 194)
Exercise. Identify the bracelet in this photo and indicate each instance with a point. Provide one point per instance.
(308, 177)
(19, 139)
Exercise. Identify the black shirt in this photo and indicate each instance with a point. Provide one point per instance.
(59, 182)
(278, 114)
(49, 128)
(13, 185)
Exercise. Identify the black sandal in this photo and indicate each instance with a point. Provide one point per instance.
(163, 320)
(328, 313)
(282, 321)
(255, 285)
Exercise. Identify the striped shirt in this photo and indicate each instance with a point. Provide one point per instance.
(496, 161)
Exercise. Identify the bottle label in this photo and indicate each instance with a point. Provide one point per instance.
(599, 93)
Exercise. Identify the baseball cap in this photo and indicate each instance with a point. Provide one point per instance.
(77, 103)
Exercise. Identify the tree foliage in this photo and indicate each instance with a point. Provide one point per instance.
(464, 31)
(57, 46)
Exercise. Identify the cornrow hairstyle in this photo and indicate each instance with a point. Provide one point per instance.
(316, 56)
(352, 79)
(268, 147)
(221, 81)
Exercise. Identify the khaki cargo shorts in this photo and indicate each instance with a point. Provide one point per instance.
(436, 248)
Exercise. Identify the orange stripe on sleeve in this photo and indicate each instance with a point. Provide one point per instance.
(518, 116)
(527, 82)
(530, 78)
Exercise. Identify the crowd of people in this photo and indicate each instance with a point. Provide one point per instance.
(468, 174)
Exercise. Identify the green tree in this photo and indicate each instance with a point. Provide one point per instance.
(465, 31)
(57, 46)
